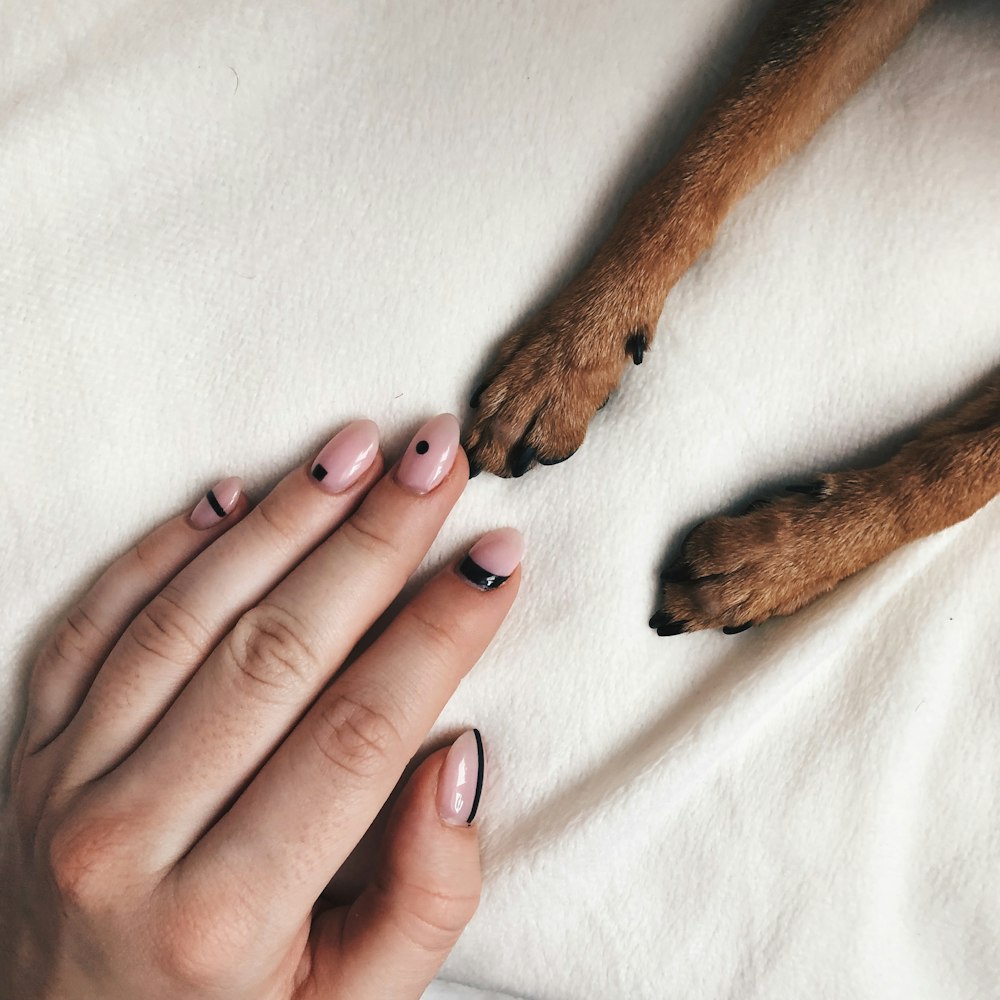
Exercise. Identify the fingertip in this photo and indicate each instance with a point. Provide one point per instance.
(460, 780)
(217, 504)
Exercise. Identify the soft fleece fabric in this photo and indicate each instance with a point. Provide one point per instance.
(228, 228)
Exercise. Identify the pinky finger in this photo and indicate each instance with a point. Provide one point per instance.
(393, 939)
(71, 658)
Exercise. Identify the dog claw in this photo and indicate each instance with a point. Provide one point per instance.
(477, 394)
(636, 346)
(816, 489)
(734, 629)
(677, 572)
(521, 459)
(556, 461)
(474, 469)
(666, 624)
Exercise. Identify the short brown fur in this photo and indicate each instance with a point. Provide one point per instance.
(552, 375)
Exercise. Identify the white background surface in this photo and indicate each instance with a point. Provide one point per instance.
(199, 278)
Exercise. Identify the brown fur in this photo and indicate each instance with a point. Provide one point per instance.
(552, 375)
(782, 553)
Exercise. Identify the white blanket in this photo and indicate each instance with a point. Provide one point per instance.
(228, 228)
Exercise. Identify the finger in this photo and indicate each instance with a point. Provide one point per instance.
(72, 657)
(318, 794)
(260, 679)
(393, 939)
(180, 626)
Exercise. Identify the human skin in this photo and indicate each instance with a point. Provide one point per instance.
(195, 767)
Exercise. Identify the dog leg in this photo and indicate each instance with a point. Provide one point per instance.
(552, 375)
(784, 552)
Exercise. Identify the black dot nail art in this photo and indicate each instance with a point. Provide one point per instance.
(422, 447)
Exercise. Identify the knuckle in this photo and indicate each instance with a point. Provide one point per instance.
(83, 855)
(199, 950)
(146, 558)
(353, 738)
(272, 654)
(75, 637)
(433, 920)
(370, 543)
(168, 631)
(278, 529)
(437, 641)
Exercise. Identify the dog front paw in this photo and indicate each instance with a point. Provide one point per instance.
(553, 375)
(775, 557)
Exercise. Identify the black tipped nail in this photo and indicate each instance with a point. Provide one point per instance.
(556, 461)
(678, 572)
(482, 578)
(521, 458)
(734, 629)
(816, 489)
(636, 346)
(477, 395)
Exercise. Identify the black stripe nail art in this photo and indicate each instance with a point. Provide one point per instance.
(482, 578)
(479, 775)
(213, 502)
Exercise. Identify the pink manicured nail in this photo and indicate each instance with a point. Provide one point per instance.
(347, 457)
(493, 558)
(430, 455)
(461, 782)
(216, 503)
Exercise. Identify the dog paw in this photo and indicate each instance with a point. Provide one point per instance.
(778, 555)
(552, 376)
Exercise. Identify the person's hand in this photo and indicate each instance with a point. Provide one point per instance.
(193, 768)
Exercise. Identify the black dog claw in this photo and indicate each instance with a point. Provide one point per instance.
(636, 346)
(758, 504)
(474, 469)
(816, 489)
(735, 629)
(521, 458)
(678, 572)
(666, 624)
(556, 461)
(480, 389)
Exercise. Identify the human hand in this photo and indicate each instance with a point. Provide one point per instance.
(193, 768)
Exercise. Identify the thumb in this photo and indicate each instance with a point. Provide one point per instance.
(394, 937)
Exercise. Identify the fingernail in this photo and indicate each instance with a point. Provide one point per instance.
(461, 782)
(493, 558)
(430, 455)
(217, 503)
(347, 457)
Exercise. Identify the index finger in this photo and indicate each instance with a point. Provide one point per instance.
(304, 812)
